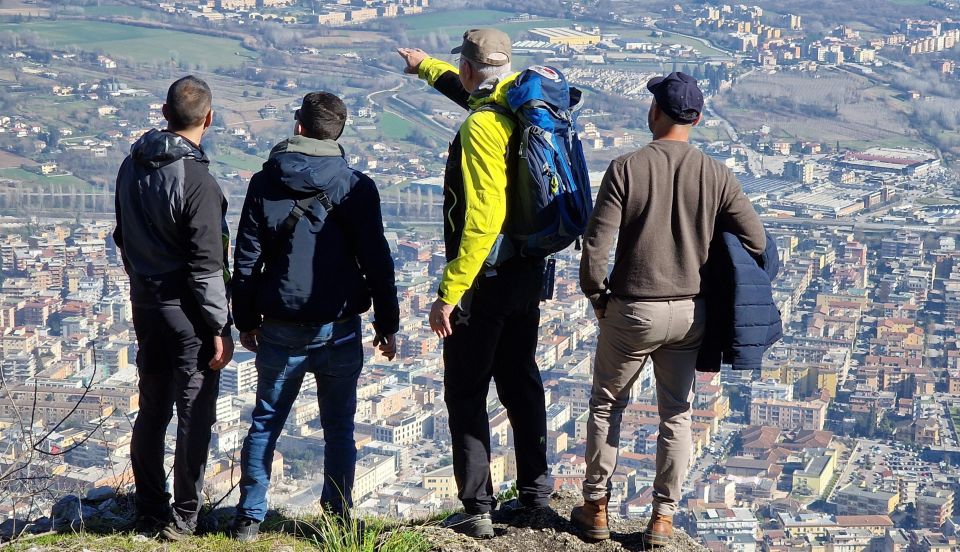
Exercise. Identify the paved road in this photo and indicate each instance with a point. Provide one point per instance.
(845, 474)
(865, 226)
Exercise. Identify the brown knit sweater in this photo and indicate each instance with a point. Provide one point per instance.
(664, 202)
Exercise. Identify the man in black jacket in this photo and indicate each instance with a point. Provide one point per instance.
(310, 256)
(171, 233)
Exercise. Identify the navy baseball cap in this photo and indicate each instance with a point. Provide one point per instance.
(678, 96)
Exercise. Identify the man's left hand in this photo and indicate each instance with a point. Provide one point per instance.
(250, 340)
(222, 352)
(387, 345)
(440, 314)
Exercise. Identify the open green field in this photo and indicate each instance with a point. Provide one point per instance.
(27, 176)
(59, 109)
(138, 44)
(395, 128)
(434, 20)
(240, 161)
(454, 22)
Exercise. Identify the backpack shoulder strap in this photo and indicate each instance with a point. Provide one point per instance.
(300, 208)
(496, 108)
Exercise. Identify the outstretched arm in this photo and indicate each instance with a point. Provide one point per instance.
(439, 74)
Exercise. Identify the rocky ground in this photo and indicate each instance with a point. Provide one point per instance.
(102, 521)
(551, 531)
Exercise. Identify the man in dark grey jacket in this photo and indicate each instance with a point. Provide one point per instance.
(172, 235)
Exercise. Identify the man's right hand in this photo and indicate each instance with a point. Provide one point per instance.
(412, 57)
(600, 312)
(250, 340)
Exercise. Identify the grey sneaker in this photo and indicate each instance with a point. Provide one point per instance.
(148, 526)
(478, 526)
(244, 530)
(174, 532)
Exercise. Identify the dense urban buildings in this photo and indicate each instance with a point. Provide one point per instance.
(848, 438)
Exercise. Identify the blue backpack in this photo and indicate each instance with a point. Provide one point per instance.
(550, 201)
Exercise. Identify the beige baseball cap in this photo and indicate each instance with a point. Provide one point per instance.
(487, 46)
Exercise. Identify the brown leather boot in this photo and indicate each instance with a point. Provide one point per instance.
(659, 530)
(591, 519)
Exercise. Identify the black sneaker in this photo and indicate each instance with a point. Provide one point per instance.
(515, 506)
(478, 526)
(244, 530)
(520, 514)
(148, 526)
(172, 531)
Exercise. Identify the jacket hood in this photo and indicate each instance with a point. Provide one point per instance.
(493, 92)
(159, 148)
(306, 164)
(308, 146)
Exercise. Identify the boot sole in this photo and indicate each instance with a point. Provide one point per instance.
(591, 532)
(595, 534)
(655, 540)
(588, 531)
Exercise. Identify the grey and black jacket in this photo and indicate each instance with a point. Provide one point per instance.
(171, 229)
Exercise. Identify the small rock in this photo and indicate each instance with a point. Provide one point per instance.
(41, 525)
(112, 520)
(107, 505)
(63, 508)
(12, 528)
(70, 511)
(101, 493)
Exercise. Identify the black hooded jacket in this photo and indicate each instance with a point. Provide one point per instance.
(171, 229)
(332, 264)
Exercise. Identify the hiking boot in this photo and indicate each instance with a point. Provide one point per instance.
(174, 532)
(591, 519)
(244, 530)
(659, 531)
(148, 526)
(478, 526)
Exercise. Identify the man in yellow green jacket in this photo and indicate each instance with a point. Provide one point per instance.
(487, 311)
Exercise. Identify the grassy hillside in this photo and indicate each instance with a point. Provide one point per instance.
(138, 44)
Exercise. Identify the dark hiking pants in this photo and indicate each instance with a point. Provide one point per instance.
(173, 357)
(495, 336)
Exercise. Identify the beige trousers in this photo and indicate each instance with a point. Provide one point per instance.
(669, 333)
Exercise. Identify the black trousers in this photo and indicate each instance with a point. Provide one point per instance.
(175, 348)
(495, 336)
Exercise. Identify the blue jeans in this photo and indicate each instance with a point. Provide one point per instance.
(334, 353)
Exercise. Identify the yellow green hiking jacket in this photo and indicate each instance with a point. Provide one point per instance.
(475, 180)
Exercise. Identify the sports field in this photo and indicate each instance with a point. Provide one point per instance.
(27, 176)
(395, 128)
(138, 44)
(240, 161)
(454, 22)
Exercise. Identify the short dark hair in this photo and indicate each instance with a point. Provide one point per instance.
(322, 116)
(188, 102)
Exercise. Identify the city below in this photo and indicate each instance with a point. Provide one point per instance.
(844, 137)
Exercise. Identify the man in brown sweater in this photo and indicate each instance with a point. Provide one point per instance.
(664, 202)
